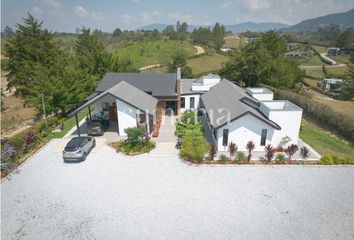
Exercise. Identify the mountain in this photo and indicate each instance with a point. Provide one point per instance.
(344, 20)
(237, 28)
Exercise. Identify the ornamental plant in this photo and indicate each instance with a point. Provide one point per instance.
(250, 147)
(232, 148)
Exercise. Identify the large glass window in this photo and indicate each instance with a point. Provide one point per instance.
(225, 137)
(183, 102)
(105, 106)
(191, 102)
(263, 137)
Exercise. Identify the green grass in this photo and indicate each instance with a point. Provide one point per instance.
(315, 72)
(152, 52)
(234, 43)
(320, 49)
(314, 61)
(207, 63)
(324, 142)
(337, 71)
(342, 59)
(69, 123)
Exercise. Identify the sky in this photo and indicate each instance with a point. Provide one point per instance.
(67, 15)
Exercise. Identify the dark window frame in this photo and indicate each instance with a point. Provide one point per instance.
(190, 102)
(264, 136)
(225, 137)
(183, 102)
(105, 106)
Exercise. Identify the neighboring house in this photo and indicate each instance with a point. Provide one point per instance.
(333, 51)
(225, 49)
(299, 54)
(191, 89)
(235, 115)
(330, 84)
(130, 99)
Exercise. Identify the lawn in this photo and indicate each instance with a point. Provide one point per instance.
(324, 142)
(152, 52)
(234, 43)
(320, 49)
(342, 59)
(314, 72)
(314, 61)
(207, 63)
(337, 71)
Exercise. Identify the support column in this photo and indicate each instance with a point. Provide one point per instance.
(77, 125)
(89, 108)
(147, 121)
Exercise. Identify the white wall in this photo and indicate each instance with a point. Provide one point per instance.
(187, 102)
(126, 116)
(243, 130)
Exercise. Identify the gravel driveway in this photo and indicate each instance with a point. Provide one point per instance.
(110, 196)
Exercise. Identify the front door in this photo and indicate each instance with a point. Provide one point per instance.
(112, 113)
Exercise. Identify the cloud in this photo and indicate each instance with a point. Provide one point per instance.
(53, 4)
(226, 4)
(188, 19)
(128, 19)
(135, 1)
(150, 17)
(81, 11)
(36, 10)
(98, 16)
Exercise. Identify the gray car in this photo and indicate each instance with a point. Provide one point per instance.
(78, 148)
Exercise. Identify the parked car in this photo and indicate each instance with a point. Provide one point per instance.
(96, 129)
(78, 148)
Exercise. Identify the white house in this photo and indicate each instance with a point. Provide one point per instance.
(235, 115)
(192, 89)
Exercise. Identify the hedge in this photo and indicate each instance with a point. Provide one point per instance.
(321, 113)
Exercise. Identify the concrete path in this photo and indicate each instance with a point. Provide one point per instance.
(166, 141)
(112, 196)
(200, 50)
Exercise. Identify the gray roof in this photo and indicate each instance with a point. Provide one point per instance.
(159, 84)
(226, 95)
(126, 93)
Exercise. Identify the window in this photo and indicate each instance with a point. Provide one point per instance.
(225, 136)
(263, 137)
(183, 102)
(105, 106)
(191, 103)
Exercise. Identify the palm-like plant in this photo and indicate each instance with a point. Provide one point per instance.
(291, 150)
(269, 152)
(304, 152)
(232, 148)
(212, 152)
(250, 147)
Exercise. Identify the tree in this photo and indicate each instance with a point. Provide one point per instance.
(269, 152)
(218, 36)
(346, 39)
(291, 150)
(194, 147)
(117, 32)
(275, 45)
(170, 32)
(122, 64)
(202, 36)
(250, 147)
(178, 61)
(304, 153)
(90, 53)
(31, 50)
(232, 149)
(329, 33)
(8, 32)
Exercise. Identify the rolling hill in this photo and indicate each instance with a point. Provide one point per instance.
(344, 20)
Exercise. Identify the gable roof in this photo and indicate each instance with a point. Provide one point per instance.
(159, 84)
(226, 95)
(128, 94)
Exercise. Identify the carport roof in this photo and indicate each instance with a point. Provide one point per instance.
(126, 93)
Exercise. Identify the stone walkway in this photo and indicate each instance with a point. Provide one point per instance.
(166, 141)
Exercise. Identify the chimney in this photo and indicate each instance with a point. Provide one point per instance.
(178, 90)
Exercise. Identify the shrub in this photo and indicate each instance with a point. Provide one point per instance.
(250, 146)
(223, 159)
(18, 140)
(304, 153)
(280, 157)
(212, 152)
(241, 156)
(269, 152)
(330, 160)
(232, 149)
(291, 150)
(135, 135)
(327, 160)
(194, 147)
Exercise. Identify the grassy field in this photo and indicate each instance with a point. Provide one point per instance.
(207, 63)
(320, 49)
(324, 142)
(234, 43)
(337, 71)
(314, 61)
(314, 72)
(153, 52)
(342, 59)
